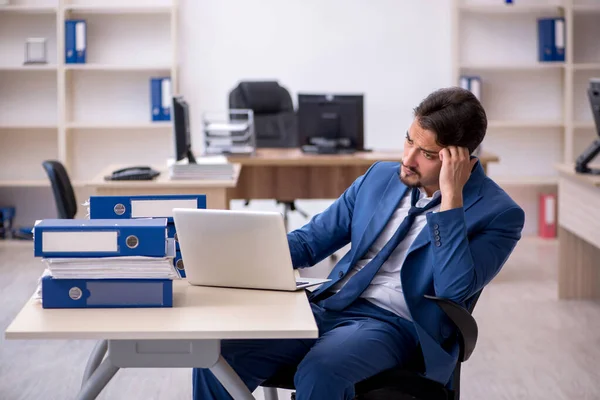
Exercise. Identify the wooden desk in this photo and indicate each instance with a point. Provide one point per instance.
(185, 336)
(216, 191)
(289, 174)
(578, 234)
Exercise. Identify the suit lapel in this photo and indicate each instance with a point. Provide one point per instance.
(471, 194)
(380, 215)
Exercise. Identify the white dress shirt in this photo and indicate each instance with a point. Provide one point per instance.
(385, 290)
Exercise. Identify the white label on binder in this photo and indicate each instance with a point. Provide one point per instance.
(159, 208)
(78, 242)
(166, 93)
(476, 87)
(80, 36)
(559, 33)
(549, 210)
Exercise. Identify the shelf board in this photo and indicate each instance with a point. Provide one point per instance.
(586, 67)
(34, 183)
(29, 9)
(28, 126)
(509, 9)
(514, 67)
(121, 125)
(584, 125)
(24, 183)
(525, 180)
(32, 67)
(524, 124)
(102, 9)
(583, 8)
(115, 67)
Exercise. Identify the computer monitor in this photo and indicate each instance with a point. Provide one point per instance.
(331, 122)
(181, 130)
(593, 150)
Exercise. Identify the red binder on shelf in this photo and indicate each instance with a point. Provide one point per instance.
(547, 217)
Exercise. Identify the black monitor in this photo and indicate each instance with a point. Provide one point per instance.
(593, 150)
(181, 130)
(331, 123)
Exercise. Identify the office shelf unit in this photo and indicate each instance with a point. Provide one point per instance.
(539, 112)
(85, 115)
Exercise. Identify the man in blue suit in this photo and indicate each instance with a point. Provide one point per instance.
(433, 224)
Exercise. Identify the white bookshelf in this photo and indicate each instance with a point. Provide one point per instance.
(539, 114)
(85, 115)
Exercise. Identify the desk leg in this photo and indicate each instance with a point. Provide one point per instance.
(95, 359)
(230, 380)
(99, 379)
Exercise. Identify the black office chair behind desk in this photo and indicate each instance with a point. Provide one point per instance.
(64, 196)
(405, 383)
(274, 120)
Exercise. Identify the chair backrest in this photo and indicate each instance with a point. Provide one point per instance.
(64, 196)
(274, 115)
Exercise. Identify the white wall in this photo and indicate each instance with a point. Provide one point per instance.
(393, 51)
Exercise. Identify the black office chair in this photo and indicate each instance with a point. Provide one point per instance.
(406, 383)
(274, 120)
(274, 115)
(64, 196)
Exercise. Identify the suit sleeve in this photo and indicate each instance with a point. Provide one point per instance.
(328, 231)
(463, 266)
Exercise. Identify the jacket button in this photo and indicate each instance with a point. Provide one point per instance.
(341, 273)
(436, 226)
(437, 243)
(436, 232)
(437, 238)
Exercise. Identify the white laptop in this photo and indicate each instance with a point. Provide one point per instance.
(239, 249)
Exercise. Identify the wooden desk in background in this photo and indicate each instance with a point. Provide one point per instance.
(289, 174)
(578, 234)
(215, 190)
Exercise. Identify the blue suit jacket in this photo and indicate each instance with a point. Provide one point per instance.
(474, 243)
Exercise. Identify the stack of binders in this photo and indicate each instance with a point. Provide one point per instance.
(149, 206)
(105, 263)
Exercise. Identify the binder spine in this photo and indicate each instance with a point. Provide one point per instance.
(166, 99)
(127, 207)
(156, 99)
(546, 50)
(70, 52)
(106, 293)
(100, 242)
(559, 39)
(81, 41)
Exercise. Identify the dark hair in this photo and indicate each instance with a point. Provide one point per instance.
(455, 116)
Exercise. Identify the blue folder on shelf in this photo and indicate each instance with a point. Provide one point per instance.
(106, 293)
(471, 83)
(551, 39)
(101, 238)
(160, 98)
(150, 206)
(75, 41)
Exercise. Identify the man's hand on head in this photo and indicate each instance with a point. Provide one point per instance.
(456, 169)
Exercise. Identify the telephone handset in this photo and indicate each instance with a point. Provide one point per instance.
(137, 173)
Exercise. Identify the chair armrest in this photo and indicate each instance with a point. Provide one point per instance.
(465, 323)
